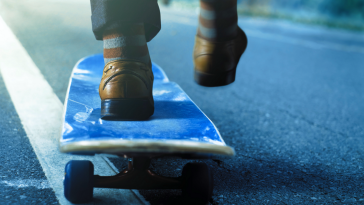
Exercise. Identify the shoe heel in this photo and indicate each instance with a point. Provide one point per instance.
(126, 109)
(212, 80)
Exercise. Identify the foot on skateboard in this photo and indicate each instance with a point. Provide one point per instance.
(178, 128)
(126, 91)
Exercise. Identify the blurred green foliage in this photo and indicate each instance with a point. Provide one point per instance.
(337, 8)
(345, 7)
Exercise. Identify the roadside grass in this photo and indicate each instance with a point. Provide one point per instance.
(322, 21)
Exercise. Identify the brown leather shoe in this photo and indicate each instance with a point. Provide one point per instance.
(215, 62)
(126, 91)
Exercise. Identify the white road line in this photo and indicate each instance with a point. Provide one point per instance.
(304, 43)
(22, 183)
(112, 166)
(40, 112)
(191, 20)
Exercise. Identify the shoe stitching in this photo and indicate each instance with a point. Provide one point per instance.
(125, 72)
(105, 72)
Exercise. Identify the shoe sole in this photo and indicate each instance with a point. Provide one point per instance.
(212, 80)
(126, 109)
(221, 79)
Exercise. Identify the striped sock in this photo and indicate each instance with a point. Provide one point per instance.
(218, 20)
(126, 44)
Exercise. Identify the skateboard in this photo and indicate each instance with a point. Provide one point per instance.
(178, 128)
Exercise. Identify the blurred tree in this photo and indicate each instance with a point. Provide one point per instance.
(345, 8)
(334, 8)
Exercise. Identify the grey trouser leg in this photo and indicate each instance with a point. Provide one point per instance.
(110, 14)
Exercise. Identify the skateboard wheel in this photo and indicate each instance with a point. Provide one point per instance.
(78, 181)
(197, 182)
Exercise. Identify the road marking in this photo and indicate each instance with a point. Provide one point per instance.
(23, 183)
(191, 20)
(40, 112)
(296, 41)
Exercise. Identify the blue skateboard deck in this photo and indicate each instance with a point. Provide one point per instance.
(177, 126)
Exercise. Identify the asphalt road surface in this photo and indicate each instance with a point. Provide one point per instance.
(295, 114)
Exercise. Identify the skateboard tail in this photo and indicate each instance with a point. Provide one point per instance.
(146, 146)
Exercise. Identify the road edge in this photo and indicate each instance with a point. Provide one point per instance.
(40, 112)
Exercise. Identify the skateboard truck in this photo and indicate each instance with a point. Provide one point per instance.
(196, 181)
(138, 176)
